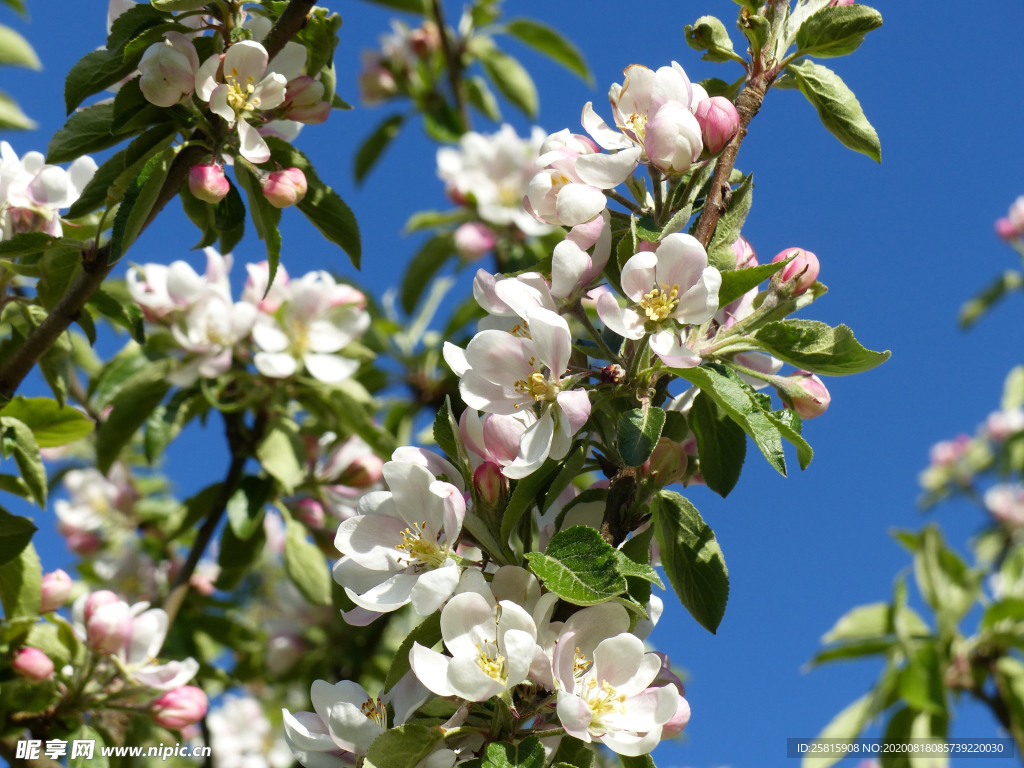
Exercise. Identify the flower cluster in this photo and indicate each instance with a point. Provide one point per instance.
(394, 69)
(32, 192)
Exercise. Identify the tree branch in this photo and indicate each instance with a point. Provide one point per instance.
(288, 25)
(453, 58)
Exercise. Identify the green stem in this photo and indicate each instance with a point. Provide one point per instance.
(625, 202)
(581, 314)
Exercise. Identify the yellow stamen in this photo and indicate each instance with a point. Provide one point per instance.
(421, 548)
(491, 662)
(660, 303)
(538, 387)
(377, 711)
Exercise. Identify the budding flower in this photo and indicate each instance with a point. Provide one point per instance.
(304, 101)
(1006, 230)
(804, 393)
(32, 664)
(208, 183)
(363, 472)
(109, 628)
(1016, 216)
(835, 3)
(672, 139)
(56, 588)
(169, 70)
(718, 121)
(376, 83)
(180, 707)
(425, 40)
(97, 600)
(799, 274)
(489, 483)
(745, 254)
(285, 188)
(667, 463)
(311, 512)
(473, 240)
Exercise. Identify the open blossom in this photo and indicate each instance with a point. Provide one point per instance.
(248, 88)
(208, 333)
(93, 508)
(256, 289)
(320, 317)
(399, 549)
(1006, 503)
(163, 291)
(169, 70)
(573, 270)
(492, 648)
(493, 171)
(32, 193)
(241, 736)
(670, 288)
(505, 372)
(568, 192)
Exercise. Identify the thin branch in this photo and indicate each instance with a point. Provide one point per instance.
(625, 202)
(453, 60)
(581, 314)
(289, 24)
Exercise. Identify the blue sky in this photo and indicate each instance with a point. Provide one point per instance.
(901, 245)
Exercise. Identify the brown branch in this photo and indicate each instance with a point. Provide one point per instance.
(289, 24)
(453, 59)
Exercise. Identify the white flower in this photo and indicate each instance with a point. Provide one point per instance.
(208, 333)
(573, 270)
(241, 736)
(493, 437)
(319, 318)
(491, 649)
(249, 87)
(670, 288)
(604, 684)
(92, 505)
(1006, 503)
(503, 372)
(494, 171)
(162, 291)
(564, 193)
(255, 290)
(169, 70)
(400, 548)
(32, 192)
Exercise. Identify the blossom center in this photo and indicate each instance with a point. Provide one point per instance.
(538, 387)
(660, 303)
(421, 548)
(376, 710)
(510, 196)
(603, 699)
(637, 123)
(580, 665)
(491, 662)
(559, 180)
(521, 330)
(240, 94)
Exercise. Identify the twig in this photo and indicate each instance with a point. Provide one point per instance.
(453, 59)
(625, 202)
(289, 24)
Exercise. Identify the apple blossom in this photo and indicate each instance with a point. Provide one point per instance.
(573, 270)
(56, 587)
(399, 549)
(169, 70)
(247, 89)
(32, 664)
(560, 194)
(1006, 503)
(319, 318)
(208, 333)
(804, 393)
(670, 141)
(32, 192)
(179, 707)
(376, 83)
(491, 486)
(800, 273)
(285, 188)
(667, 463)
(759, 362)
(256, 290)
(1001, 425)
(473, 240)
(670, 288)
(208, 183)
(1006, 230)
(719, 122)
(164, 291)
(493, 438)
(501, 373)
(241, 736)
(304, 101)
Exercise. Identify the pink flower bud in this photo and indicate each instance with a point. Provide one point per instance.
(678, 721)
(376, 85)
(719, 122)
(805, 394)
(745, 254)
(363, 472)
(473, 240)
(425, 40)
(800, 273)
(208, 182)
(82, 543)
(672, 139)
(1006, 230)
(489, 483)
(304, 101)
(97, 600)
(109, 628)
(667, 463)
(1016, 215)
(311, 512)
(56, 588)
(179, 708)
(285, 188)
(835, 3)
(32, 664)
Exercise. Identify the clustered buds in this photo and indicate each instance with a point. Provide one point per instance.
(180, 707)
(55, 590)
(32, 664)
(285, 188)
(719, 122)
(208, 183)
(801, 273)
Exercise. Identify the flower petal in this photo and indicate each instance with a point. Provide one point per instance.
(533, 448)
(431, 668)
(607, 171)
(330, 369)
(276, 365)
(433, 588)
(246, 61)
(568, 265)
(606, 136)
(700, 302)
(551, 340)
(574, 715)
(253, 148)
(577, 203)
(624, 322)
(639, 275)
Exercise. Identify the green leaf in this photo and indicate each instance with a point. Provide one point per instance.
(921, 681)
(579, 566)
(51, 424)
(639, 430)
(427, 634)
(26, 244)
(132, 405)
(736, 282)
(93, 73)
(873, 620)
(836, 31)
(139, 199)
(945, 581)
(512, 79)
(21, 585)
(631, 568)
(1008, 282)
(11, 116)
(844, 727)
(201, 214)
(709, 34)
(816, 347)
(124, 313)
(528, 753)
(19, 440)
(98, 759)
(1010, 682)
(721, 445)
(373, 146)
(322, 206)
(229, 219)
(282, 455)
(720, 252)
(481, 97)
(58, 267)
(132, 111)
(16, 51)
(15, 535)
(524, 495)
(640, 761)
(403, 747)
(570, 470)
(84, 132)
(177, 5)
(431, 219)
(551, 44)
(692, 558)
(838, 108)
(245, 507)
(265, 217)
(306, 565)
(443, 124)
(429, 259)
(1013, 389)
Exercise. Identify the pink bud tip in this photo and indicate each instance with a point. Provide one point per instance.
(208, 183)
(473, 240)
(745, 254)
(32, 664)
(801, 272)
(285, 188)
(489, 483)
(311, 512)
(807, 394)
(109, 627)
(180, 707)
(719, 122)
(1006, 229)
(97, 600)
(363, 472)
(56, 588)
